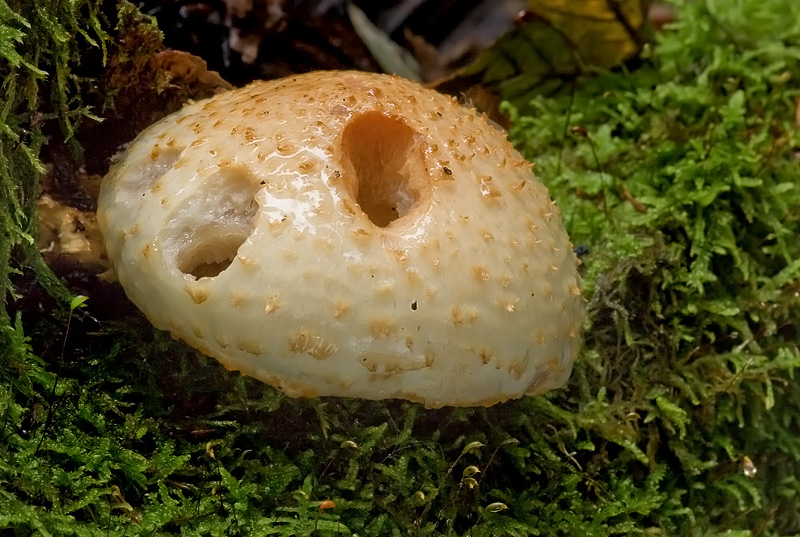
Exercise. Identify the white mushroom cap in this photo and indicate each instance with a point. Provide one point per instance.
(348, 234)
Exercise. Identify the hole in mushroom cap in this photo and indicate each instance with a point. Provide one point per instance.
(204, 234)
(212, 250)
(385, 163)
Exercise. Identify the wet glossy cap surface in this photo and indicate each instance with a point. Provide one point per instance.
(348, 234)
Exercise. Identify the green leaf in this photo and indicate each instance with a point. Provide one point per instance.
(78, 301)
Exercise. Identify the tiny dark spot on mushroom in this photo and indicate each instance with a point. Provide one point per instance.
(414, 305)
(581, 250)
(447, 170)
(439, 114)
(337, 173)
(263, 182)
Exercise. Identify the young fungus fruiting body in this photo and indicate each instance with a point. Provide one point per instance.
(347, 234)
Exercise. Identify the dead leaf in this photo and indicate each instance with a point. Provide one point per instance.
(554, 42)
(185, 69)
(481, 27)
(392, 58)
(603, 33)
(430, 62)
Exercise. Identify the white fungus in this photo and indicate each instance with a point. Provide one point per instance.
(347, 234)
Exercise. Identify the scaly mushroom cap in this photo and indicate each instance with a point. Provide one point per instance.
(347, 234)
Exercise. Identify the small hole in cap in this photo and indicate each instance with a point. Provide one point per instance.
(384, 158)
(211, 251)
(208, 227)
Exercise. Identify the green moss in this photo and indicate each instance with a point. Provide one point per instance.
(681, 178)
(684, 190)
(40, 44)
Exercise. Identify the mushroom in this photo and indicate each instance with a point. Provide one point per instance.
(347, 234)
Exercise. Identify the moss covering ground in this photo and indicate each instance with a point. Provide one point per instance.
(678, 181)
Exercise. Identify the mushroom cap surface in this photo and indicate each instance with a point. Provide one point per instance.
(347, 234)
